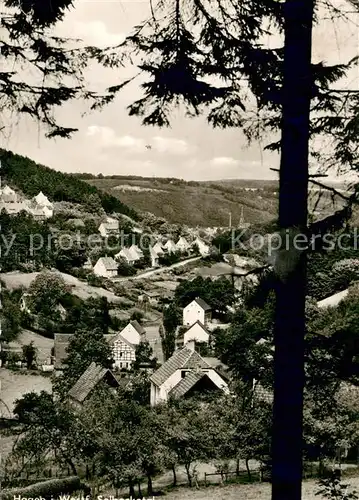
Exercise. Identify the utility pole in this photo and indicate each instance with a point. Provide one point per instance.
(287, 438)
(230, 220)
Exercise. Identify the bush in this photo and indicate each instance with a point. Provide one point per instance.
(46, 489)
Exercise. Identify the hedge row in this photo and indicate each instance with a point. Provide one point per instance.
(46, 489)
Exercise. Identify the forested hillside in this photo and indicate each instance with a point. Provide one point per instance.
(31, 178)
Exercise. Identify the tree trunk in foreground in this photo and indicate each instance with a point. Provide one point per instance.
(291, 265)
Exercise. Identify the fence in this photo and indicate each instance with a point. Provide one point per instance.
(238, 474)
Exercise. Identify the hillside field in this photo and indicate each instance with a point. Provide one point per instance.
(206, 204)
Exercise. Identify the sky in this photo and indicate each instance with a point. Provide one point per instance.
(110, 142)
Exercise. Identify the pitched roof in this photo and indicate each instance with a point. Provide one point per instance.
(117, 337)
(109, 263)
(125, 253)
(333, 300)
(189, 381)
(137, 249)
(200, 324)
(88, 381)
(183, 358)
(153, 253)
(138, 327)
(62, 340)
(203, 304)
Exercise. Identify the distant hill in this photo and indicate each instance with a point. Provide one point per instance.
(192, 203)
(30, 178)
(202, 203)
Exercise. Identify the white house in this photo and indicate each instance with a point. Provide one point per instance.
(184, 374)
(38, 213)
(170, 246)
(182, 245)
(197, 332)
(136, 252)
(109, 228)
(197, 310)
(106, 267)
(88, 264)
(129, 256)
(203, 248)
(154, 257)
(133, 333)
(157, 247)
(8, 195)
(14, 208)
(124, 353)
(43, 200)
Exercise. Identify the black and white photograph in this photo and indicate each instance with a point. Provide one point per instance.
(179, 249)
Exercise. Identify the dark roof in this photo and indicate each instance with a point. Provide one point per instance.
(88, 381)
(61, 343)
(138, 327)
(186, 384)
(203, 304)
(183, 358)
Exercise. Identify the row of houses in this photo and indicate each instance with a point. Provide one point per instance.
(183, 375)
(39, 206)
(123, 345)
(107, 267)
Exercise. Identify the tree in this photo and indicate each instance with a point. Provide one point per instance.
(144, 354)
(49, 428)
(29, 353)
(199, 41)
(46, 292)
(84, 348)
(168, 341)
(57, 64)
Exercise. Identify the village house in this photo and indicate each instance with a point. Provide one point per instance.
(133, 332)
(106, 267)
(109, 228)
(183, 375)
(157, 247)
(197, 332)
(136, 252)
(154, 258)
(130, 256)
(43, 200)
(123, 345)
(88, 264)
(170, 246)
(203, 248)
(94, 376)
(38, 213)
(197, 310)
(124, 353)
(126, 255)
(14, 208)
(150, 298)
(8, 195)
(182, 245)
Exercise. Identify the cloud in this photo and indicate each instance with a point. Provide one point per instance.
(107, 138)
(91, 33)
(224, 161)
(169, 145)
